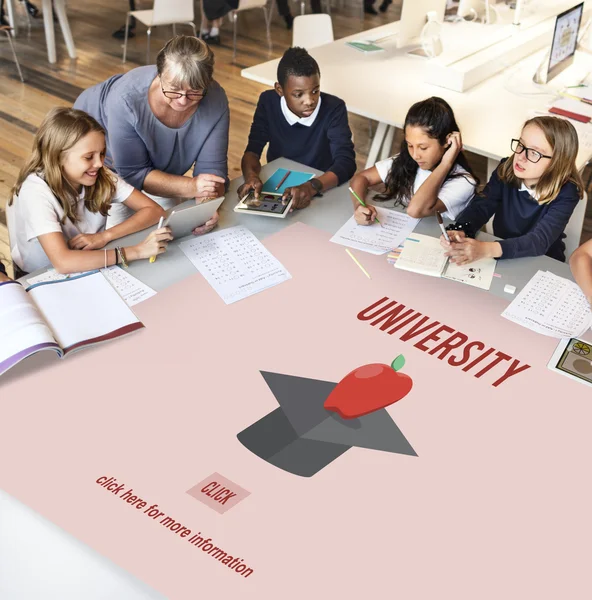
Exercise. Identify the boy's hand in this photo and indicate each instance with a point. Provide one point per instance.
(301, 195)
(252, 184)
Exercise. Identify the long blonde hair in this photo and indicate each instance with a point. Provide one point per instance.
(61, 129)
(563, 139)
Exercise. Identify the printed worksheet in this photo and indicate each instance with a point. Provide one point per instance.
(377, 238)
(551, 305)
(132, 290)
(235, 263)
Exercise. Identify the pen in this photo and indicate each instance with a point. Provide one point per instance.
(153, 258)
(363, 204)
(441, 223)
(279, 185)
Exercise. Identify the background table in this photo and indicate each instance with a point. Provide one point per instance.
(383, 85)
(38, 559)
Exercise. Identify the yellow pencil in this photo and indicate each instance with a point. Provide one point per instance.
(153, 258)
(358, 263)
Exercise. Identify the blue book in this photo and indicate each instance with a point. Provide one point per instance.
(294, 178)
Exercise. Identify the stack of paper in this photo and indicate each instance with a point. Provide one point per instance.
(551, 305)
(377, 238)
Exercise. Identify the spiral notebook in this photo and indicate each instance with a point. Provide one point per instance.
(424, 254)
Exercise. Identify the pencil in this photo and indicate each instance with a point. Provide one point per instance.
(363, 204)
(153, 258)
(279, 185)
(358, 263)
(441, 223)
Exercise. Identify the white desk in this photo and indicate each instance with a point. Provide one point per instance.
(47, 9)
(38, 560)
(383, 85)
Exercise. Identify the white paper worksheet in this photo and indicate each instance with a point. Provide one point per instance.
(235, 263)
(377, 238)
(551, 305)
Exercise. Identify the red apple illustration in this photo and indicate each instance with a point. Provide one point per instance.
(369, 388)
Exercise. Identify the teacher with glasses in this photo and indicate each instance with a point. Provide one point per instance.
(162, 120)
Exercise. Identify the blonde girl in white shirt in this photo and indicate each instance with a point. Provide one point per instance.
(58, 211)
(430, 174)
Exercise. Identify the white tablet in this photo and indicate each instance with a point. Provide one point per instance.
(267, 205)
(183, 221)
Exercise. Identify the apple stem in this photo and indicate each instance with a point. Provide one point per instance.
(398, 363)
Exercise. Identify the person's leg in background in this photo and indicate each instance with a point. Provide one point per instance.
(369, 7)
(120, 33)
(315, 6)
(284, 10)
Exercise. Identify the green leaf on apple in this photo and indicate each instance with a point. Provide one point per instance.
(398, 363)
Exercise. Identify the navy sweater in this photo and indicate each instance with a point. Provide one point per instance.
(326, 145)
(527, 227)
(2, 269)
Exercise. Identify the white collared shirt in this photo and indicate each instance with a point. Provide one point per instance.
(532, 193)
(293, 119)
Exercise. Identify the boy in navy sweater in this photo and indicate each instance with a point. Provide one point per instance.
(302, 124)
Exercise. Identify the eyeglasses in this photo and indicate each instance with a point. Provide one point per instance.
(192, 96)
(531, 155)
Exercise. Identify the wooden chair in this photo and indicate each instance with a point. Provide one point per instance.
(7, 30)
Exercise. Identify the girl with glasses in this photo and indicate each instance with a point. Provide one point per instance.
(531, 197)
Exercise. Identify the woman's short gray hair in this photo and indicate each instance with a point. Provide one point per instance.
(187, 61)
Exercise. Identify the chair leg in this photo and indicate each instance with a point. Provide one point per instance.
(267, 17)
(234, 18)
(148, 32)
(174, 29)
(18, 67)
(193, 27)
(302, 7)
(127, 23)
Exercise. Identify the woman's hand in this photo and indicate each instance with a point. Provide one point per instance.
(365, 215)
(156, 243)
(454, 141)
(207, 185)
(252, 184)
(208, 226)
(302, 196)
(89, 241)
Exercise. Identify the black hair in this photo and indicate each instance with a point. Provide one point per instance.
(436, 118)
(297, 62)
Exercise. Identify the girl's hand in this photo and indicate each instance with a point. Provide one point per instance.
(455, 236)
(365, 215)
(468, 250)
(156, 243)
(89, 241)
(454, 147)
(208, 226)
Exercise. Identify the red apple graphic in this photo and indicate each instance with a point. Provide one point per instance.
(369, 388)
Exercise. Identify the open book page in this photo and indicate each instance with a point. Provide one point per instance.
(478, 274)
(22, 329)
(83, 310)
(551, 305)
(235, 263)
(377, 238)
(422, 254)
(132, 290)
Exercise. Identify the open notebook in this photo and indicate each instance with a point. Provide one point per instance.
(63, 316)
(424, 254)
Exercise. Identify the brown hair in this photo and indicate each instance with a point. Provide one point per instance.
(563, 139)
(61, 129)
(188, 60)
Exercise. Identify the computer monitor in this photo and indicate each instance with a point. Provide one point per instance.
(565, 40)
(414, 17)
